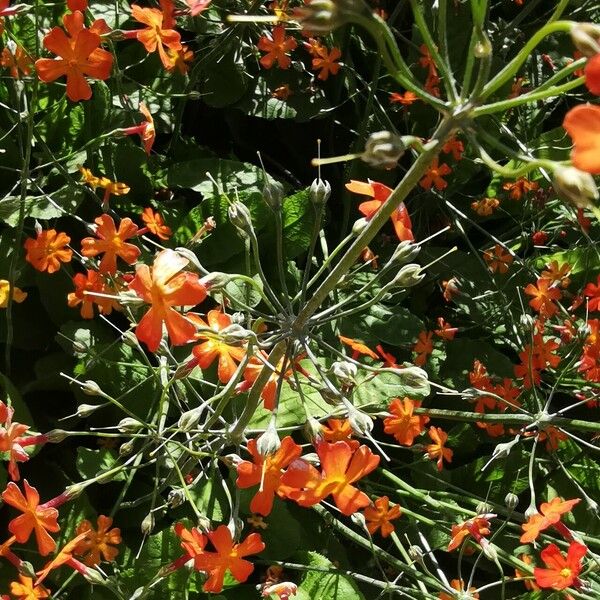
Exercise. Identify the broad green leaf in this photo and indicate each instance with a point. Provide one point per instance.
(91, 463)
(375, 392)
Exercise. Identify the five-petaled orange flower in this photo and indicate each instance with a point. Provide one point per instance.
(48, 250)
(583, 125)
(339, 430)
(435, 176)
(192, 541)
(145, 129)
(423, 347)
(227, 557)
(110, 241)
(64, 556)
(477, 527)
(405, 99)
(11, 440)
(519, 188)
(266, 472)
(24, 589)
(459, 586)
(592, 291)
(78, 56)
(380, 514)
(98, 545)
(380, 193)
(403, 425)
(486, 206)
(277, 46)
(438, 450)
(155, 224)
(497, 259)
(550, 514)
(35, 517)
(93, 282)
(159, 33)
(562, 571)
(163, 286)
(18, 62)
(325, 62)
(340, 468)
(455, 147)
(358, 348)
(543, 296)
(206, 352)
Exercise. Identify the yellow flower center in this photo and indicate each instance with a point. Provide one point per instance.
(565, 573)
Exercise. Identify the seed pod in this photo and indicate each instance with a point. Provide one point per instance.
(240, 217)
(273, 194)
(176, 497)
(511, 501)
(405, 252)
(55, 436)
(408, 276)
(383, 150)
(91, 388)
(85, 410)
(268, 443)
(126, 448)
(345, 371)
(129, 425)
(320, 191)
(147, 524)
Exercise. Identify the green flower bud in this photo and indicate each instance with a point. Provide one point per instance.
(189, 419)
(147, 524)
(240, 217)
(55, 436)
(126, 448)
(320, 191)
(404, 252)
(273, 194)
(345, 371)
(176, 497)
(268, 443)
(85, 410)
(511, 501)
(408, 276)
(129, 425)
(383, 150)
(91, 388)
(94, 577)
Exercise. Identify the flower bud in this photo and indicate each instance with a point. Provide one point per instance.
(313, 429)
(319, 16)
(483, 508)
(56, 436)
(94, 577)
(345, 371)
(268, 443)
(359, 226)
(80, 347)
(91, 388)
(85, 410)
(414, 376)
(483, 46)
(240, 217)
(235, 333)
(26, 569)
(359, 519)
(176, 497)
(585, 37)
(215, 281)
(191, 257)
(129, 339)
(129, 425)
(511, 501)
(488, 550)
(416, 554)
(361, 423)
(575, 186)
(408, 276)
(126, 448)
(405, 251)
(147, 524)
(320, 191)
(189, 419)
(273, 194)
(73, 490)
(383, 150)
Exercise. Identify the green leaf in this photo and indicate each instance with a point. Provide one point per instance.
(298, 220)
(91, 463)
(224, 81)
(375, 392)
(11, 396)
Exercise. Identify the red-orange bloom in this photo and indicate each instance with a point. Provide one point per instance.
(228, 556)
(423, 347)
(94, 282)
(111, 242)
(35, 517)
(159, 33)
(592, 291)
(78, 56)
(206, 353)
(477, 527)
(403, 425)
(145, 129)
(435, 176)
(325, 62)
(155, 224)
(10, 442)
(358, 348)
(445, 331)
(48, 250)
(497, 259)
(592, 74)
(19, 62)
(438, 450)
(98, 545)
(277, 46)
(543, 296)
(340, 468)
(582, 123)
(379, 515)
(519, 188)
(380, 193)
(405, 99)
(454, 147)
(64, 556)
(339, 430)
(24, 589)
(179, 59)
(164, 286)
(267, 472)
(550, 514)
(562, 572)
(459, 586)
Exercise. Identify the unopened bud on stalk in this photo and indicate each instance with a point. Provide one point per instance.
(359, 520)
(273, 194)
(147, 524)
(345, 371)
(359, 226)
(215, 281)
(126, 448)
(129, 339)
(413, 376)
(483, 46)
(488, 550)
(585, 38)
(416, 554)
(320, 191)
(313, 429)
(483, 508)
(404, 252)
(94, 577)
(129, 425)
(189, 419)
(26, 569)
(80, 347)
(511, 501)
(360, 423)
(190, 256)
(320, 16)
(240, 218)
(91, 388)
(383, 150)
(56, 436)
(235, 333)
(176, 497)
(268, 443)
(575, 186)
(408, 276)
(85, 410)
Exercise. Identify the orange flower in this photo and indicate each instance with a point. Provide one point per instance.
(206, 352)
(426, 60)
(550, 514)
(18, 61)
(497, 259)
(403, 425)
(64, 556)
(529, 584)
(164, 286)
(155, 224)
(592, 74)
(543, 296)
(434, 176)
(228, 557)
(519, 188)
(97, 545)
(325, 62)
(458, 585)
(111, 242)
(592, 291)
(454, 147)
(110, 187)
(24, 589)
(445, 331)
(556, 273)
(562, 572)
(423, 347)
(340, 468)
(277, 46)
(380, 193)
(339, 430)
(266, 471)
(358, 348)
(18, 295)
(192, 541)
(379, 516)
(405, 99)
(437, 450)
(582, 123)
(10, 442)
(35, 517)
(79, 55)
(486, 206)
(477, 527)
(47, 250)
(159, 33)
(179, 59)
(92, 281)
(145, 129)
